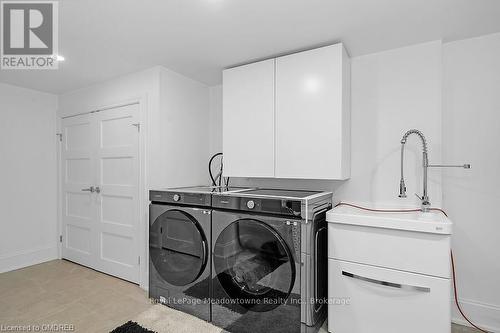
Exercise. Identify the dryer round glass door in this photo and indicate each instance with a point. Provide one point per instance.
(178, 247)
(254, 265)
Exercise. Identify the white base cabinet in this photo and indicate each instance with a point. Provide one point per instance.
(388, 272)
(371, 299)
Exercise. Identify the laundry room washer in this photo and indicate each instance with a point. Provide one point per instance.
(269, 260)
(179, 248)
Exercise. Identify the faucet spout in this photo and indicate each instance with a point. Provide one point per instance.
(426, 204)
(420, 135)
(425, 163)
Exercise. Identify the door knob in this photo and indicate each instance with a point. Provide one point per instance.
(91, 189)
(97, 189)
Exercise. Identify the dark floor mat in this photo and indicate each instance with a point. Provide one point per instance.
(131, 327)
(283, 319)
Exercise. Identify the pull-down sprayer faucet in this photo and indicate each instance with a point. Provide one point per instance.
(425, 164)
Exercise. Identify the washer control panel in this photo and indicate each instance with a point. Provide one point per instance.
(258, 205)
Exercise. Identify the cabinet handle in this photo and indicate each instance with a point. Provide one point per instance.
(388, 284)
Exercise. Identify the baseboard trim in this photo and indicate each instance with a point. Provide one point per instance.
(486, 316)
(21, 259)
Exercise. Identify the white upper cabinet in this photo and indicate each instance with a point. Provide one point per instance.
(313, 114)
(289, 117)
(248, 120)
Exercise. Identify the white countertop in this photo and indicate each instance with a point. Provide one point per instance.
(431, 222)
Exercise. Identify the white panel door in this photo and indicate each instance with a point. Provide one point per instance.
(110, 242)
(312, 114)
(248, 120)
(117, 159)
(78, 176)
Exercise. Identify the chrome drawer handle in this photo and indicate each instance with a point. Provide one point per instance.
(388, 284)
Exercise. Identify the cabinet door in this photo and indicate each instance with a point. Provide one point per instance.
(248, 120)
(367, 299)
(312, 114)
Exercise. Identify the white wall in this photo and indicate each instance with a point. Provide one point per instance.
(215, 121)
(392, 92)
(471, 133)
(144, 84)
(180, 133)
(28, 196)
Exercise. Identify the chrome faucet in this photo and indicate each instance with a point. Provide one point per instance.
(425, 206)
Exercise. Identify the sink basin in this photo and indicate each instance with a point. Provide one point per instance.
(412, 242)
(431, 222)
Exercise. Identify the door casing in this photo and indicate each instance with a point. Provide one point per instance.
(143, 153)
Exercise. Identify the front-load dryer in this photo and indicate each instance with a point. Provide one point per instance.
(269, 260)
(179, 250)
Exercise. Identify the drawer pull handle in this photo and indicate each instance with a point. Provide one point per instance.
(388, 284)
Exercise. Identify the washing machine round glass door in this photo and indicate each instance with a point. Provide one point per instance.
(254, 265)
(178, 247)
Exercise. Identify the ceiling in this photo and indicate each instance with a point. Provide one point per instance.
(105, 39)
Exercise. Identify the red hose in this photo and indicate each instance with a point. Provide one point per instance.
(455, 292)
(456, 296)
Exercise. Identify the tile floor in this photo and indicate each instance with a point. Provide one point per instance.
(61, 292)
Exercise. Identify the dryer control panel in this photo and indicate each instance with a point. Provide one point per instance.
(181, 198)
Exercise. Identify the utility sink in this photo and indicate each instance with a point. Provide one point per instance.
(430, 222)
(392, 266)
(411, 241)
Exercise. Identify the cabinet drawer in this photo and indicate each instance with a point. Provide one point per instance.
(385, 300)
(410, 251)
